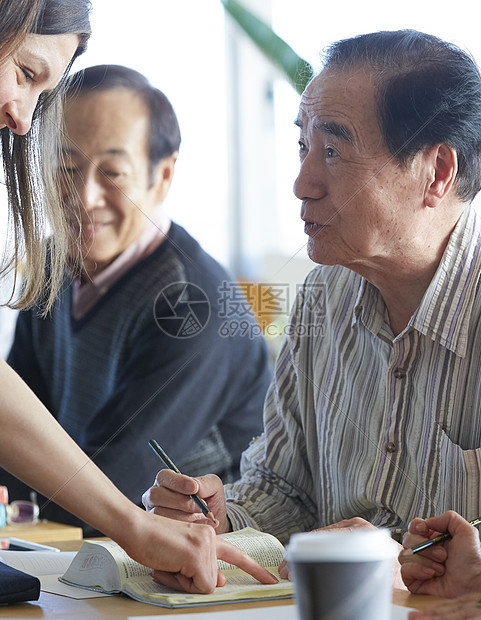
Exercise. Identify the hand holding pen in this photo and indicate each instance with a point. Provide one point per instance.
(430, 542)
(170, 464)
(170, 496)
(448, 569)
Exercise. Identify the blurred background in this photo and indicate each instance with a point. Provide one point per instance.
(238, 160)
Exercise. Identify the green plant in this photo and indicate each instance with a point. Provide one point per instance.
(297, 70)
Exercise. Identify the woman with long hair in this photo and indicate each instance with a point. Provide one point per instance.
(39, 39)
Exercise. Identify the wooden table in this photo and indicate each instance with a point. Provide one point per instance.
(54, 607)
(43, 532)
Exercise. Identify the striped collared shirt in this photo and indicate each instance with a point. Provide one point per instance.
(361, 423)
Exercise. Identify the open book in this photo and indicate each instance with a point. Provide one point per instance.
(105, 567)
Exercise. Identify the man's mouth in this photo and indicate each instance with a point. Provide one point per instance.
(311, 228)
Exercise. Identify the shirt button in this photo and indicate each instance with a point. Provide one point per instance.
(390, 447)
(399, 373)
(398, 535)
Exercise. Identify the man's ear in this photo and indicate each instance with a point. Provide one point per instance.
(443, 167)
(163, 176)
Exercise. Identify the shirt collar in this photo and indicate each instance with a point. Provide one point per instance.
(370, 307)
(445, 309)
(87, 293)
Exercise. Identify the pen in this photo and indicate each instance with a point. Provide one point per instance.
(168, 463)
(438, 539)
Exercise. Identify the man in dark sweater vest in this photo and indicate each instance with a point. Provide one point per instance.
(138, 346)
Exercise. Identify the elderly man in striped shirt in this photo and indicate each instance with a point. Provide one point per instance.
(373, 415)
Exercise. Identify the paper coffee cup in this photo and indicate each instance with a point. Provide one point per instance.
(342, 575)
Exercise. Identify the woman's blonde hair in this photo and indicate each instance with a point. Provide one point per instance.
(29, 161)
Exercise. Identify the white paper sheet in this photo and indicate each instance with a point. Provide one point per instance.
(51, 584)
(279, 612)
(47, 566)
(39, 563)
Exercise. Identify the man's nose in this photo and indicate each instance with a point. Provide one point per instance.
(91, 192)
(309, 183)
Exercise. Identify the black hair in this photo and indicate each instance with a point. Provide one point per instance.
(33, 199)
(164, 130)
(428, 92)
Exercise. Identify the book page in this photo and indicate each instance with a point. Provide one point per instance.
(246, 588)
(104, 565)
(94, 567)
(264, 548)
(128, 568)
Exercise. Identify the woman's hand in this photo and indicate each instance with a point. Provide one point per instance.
(184, 555)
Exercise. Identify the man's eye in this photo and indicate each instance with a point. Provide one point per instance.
(330, 152)
(302, 148)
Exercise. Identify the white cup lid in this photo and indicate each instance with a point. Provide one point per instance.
(360, 545)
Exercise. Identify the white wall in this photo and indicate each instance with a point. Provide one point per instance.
(311, 25)
(236, 198)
